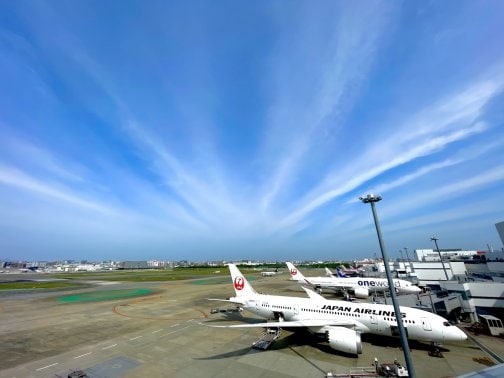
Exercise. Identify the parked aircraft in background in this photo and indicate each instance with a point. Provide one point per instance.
(345, 272)
(269, 273)
(360, 286)
(340, 322)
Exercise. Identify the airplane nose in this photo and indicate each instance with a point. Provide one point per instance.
(455, 334)
(462, 334)
(414, 289)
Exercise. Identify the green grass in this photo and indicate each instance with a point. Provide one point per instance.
(151, 275)
(36, 285)
(105, 295)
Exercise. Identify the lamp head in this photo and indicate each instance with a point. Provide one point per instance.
(370, 198)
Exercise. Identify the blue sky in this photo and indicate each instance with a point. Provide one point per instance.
(233, 130)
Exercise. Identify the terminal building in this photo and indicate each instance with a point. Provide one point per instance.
(451, 289)
(446, 254)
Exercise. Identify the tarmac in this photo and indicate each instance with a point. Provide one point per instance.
(162, 333)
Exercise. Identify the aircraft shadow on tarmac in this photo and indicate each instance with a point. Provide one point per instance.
(296, 339)
(304, 338)
(387, 341)
(225, 317)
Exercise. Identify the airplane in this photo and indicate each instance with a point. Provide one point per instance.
(344, 272)
(359, 285)
(341, 323)
(269, 273)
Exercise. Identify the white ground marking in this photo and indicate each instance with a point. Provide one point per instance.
(159, 330)
(169, 333)
(110, 346)
(134, 338)
(82, 355)
(45, 367)
(174, 325)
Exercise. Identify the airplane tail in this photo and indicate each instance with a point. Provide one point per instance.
(341, 274)
(328, 272)
(240, 283)
(295, 273)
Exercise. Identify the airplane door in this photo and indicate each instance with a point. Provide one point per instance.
(426, 324)
(296, 309)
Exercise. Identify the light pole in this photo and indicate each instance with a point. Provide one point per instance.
(402, 257)
(434, 239)
(407, 256)
(371, 198)
(409, 261)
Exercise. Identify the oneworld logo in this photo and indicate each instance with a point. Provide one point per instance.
(239, 283)
(293, 272)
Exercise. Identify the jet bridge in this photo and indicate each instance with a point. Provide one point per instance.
(268, 336)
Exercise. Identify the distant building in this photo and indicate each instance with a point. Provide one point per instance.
(158, 264)
(446, 254)
(435, 270)
(133, 265)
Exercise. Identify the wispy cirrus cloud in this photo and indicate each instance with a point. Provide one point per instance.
(462, 213)
(304, 107)
(448, 192)
(399, 147)
(201, 198)
(247, 128)
(14, 177)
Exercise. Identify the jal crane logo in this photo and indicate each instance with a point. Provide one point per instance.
(239, 283)
(293, 272)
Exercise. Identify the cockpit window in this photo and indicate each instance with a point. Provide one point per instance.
(446, 324)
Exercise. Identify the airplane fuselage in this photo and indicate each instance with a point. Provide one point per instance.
(366, 318)
(372, 284)
(361, 286)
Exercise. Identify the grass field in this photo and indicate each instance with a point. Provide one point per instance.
(151, 275)
(202, 275)
(36, 285)
(105, 295)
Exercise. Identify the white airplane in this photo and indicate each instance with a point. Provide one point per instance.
(345, 272)
(359, 285)
(340, 322)
(269, 273)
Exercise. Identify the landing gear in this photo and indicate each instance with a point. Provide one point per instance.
(279, 316)
(435, 351)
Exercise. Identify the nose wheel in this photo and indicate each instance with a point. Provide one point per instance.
(435, 351)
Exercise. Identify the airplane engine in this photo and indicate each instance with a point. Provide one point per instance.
(361, 292)
(344, 340)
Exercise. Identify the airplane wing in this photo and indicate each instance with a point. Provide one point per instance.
(290, 324)
(332, 286)
(224, 300)
(338, 287)
(314, 295)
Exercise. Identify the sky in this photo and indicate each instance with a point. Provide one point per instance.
(197, 130)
